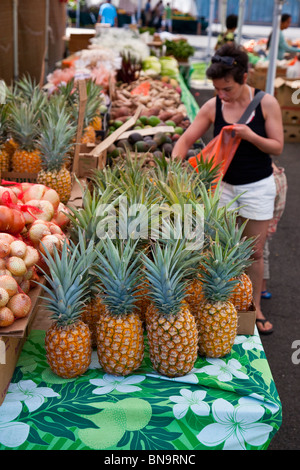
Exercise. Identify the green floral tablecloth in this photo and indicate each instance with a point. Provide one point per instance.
(229, 403)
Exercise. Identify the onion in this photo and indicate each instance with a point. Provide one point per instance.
(49, 241)
(3, 263)
(4, 297)
(35, 191)
(8, 283)
(37, 231)
(20, 305)
(31, 257)
(16, 266)
(5, 272)
(6, 317)
(7, 237)
(4, 249)
(45, 212)
(12, 195)
(18, 248)
(60, 218)
(52, 196)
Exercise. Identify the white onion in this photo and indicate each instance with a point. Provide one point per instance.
(16, 266)
(18, 248)
(6, 317)
(4, 297)
(8, 283)
(20, 305)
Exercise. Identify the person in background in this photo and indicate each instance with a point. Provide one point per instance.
(283, 47)
(167, 18)
(108, 14)
(148, 13)
(158, 14)
(228, 37)
(249, 177)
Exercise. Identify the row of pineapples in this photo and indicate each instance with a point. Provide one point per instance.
(37, 132)
(119, 293)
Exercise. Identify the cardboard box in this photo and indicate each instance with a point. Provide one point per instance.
(257, 77)
(12, 340)
(291, 115)
(291, 133)
(284, 88)
(246, 321)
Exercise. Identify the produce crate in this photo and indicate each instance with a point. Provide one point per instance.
(12, 339)
(284, 89)
(19, 177)
(291, 133)
(290, 115)
(246, 321)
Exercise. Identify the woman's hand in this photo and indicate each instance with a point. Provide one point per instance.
(243, 131)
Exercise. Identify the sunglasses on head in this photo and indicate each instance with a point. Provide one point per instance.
(223, 59)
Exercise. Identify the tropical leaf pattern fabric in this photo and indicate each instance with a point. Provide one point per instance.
(228, 403)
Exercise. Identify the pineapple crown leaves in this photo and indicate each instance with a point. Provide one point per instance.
(230, 234)
(92, 214)
(168, 270)
(119, 270)
(3, 123)
(24, 124)
(205, 171)
(67, 293)
(55, 138)
(219, 270)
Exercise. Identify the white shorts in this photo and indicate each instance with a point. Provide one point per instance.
(255, 200)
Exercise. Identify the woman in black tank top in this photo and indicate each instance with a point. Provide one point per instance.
(251, 166)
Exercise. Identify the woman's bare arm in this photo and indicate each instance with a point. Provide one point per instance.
(201, 123)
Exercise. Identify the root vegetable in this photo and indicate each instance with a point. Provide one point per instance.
(16, 266)
(7, 237)
(45, 210)
(8, 283)
(20, 305)
(4, 297)
(18, 248)
(37, 231)
(6, 317)
(31, 257)
(11, 220)
(48, 242)
(4, 249)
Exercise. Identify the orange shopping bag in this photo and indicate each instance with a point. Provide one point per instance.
(221, 150)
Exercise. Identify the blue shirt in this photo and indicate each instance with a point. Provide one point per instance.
(284, 47)
(108, 13)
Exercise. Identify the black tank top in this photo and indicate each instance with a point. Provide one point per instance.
(249, 164)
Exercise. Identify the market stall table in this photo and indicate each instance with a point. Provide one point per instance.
(228, 403)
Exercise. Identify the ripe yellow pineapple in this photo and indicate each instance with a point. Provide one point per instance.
(68, 340)
(23, 127)
(242, 294)
(231, 235)
(54, 143)
(120, 340)
(217, 317)
(171, 328)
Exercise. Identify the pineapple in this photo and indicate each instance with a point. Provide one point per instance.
(24, 129)
(217, 316)
(4, 151)
(54, 143)
(120, 340)
(171, 328)
(231, 235)
(68, 340)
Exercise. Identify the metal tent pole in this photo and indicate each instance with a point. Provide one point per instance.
(241, 17)
(16, 45)
(274, 46)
